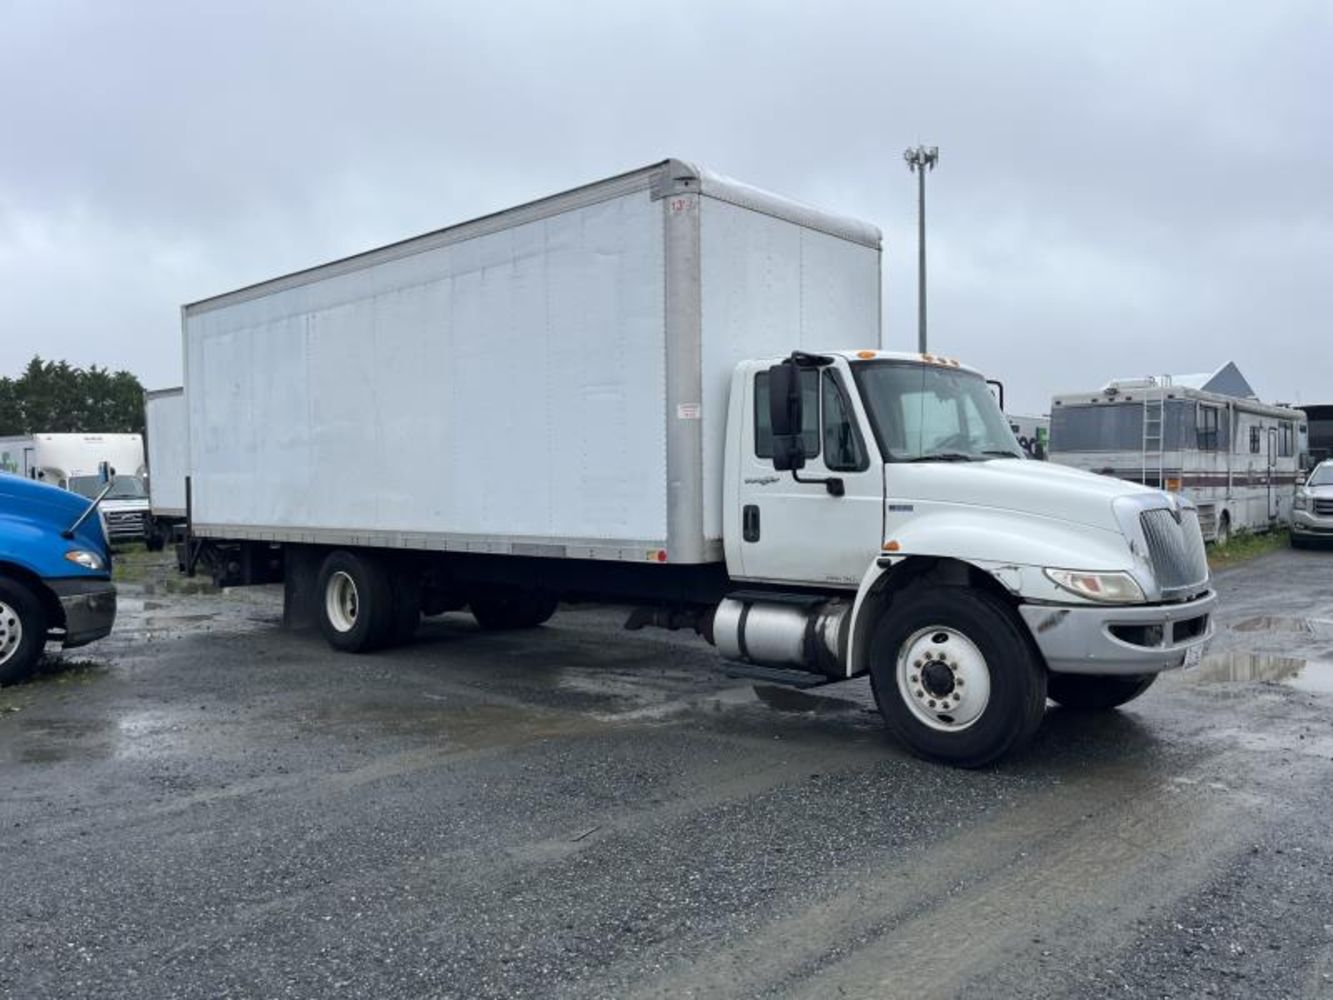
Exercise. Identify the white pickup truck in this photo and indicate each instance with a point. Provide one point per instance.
(663, 391)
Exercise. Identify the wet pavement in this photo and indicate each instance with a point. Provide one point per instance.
(205, 805)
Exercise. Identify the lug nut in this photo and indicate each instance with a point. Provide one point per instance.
(932, 702)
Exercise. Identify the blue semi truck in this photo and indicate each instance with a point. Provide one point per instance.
(55, 573)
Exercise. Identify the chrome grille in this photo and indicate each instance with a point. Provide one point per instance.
(1176, 550)
(1323, 507)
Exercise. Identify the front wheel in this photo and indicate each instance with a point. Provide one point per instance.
(22, 631)
(1096, 694)
(955, 676)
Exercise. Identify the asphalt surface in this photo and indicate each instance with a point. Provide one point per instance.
(205, 805)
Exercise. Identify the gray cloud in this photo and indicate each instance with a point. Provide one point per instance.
(1124, 188)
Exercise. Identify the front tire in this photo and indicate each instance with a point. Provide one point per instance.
(22, 631)
(355, 602)
(1096, 694)
(955, 676)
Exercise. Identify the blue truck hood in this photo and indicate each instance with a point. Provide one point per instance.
(32, 516)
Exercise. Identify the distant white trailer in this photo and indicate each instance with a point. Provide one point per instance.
(1238, 459)
(164, 421)
(164, 418)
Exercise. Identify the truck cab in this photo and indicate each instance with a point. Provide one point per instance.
(55, 573)
(970, 582)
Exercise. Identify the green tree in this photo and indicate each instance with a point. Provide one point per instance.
(55, 397)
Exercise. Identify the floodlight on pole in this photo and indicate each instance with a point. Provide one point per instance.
(919, 160)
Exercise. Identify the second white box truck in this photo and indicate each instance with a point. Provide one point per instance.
(666, 390)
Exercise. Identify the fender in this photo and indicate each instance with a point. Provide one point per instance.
(1002, 550)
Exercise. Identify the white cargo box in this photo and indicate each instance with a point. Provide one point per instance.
(549, 380)
(164, 419)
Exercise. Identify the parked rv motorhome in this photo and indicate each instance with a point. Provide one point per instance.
(1206, 436)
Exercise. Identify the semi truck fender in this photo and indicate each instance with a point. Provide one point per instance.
(1001, 551)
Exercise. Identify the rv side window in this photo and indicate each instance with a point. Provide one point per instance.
(1205, 427)
(1254, 440)
(763, 426)
(1286, 441)
(843, 449)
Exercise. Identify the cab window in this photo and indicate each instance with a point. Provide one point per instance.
(844, 451)
(763, 425)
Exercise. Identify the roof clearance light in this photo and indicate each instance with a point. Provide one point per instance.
(865, 355)
(891, 546)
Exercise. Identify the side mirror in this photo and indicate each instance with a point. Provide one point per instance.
(785, 413)
(998, 386)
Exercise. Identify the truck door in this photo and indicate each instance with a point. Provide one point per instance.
(800, 532)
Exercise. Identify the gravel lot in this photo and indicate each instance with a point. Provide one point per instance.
(205, 805)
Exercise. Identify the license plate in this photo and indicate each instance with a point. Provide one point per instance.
(1193, 655)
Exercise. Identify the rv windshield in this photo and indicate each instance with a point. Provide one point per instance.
(122, 488)
(924, 413)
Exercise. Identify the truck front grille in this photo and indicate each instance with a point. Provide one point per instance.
(1176, 550)
(1323, 507)
(124, 522)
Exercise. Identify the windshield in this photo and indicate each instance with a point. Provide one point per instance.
(122, 488)
(1322, 475)
(926, 413)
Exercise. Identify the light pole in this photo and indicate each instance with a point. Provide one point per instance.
(920, 160)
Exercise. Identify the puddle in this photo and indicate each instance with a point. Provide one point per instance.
(1280, 623)
(1239, 667)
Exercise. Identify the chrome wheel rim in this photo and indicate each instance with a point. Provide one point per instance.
(943, 678)
(11, 632)
(341, 601)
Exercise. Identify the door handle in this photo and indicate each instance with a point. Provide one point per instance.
(750, 522)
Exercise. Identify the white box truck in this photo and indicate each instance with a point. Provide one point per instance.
(75, 462)
(164, 423)
(666, 390)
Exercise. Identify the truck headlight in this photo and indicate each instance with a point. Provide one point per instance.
(1302, 502)
(86, 559)
(1108, 588)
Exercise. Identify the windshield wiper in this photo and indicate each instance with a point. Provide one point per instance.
(1001, 454)
(944, 456)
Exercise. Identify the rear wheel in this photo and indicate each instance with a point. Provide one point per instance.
(513, 609)
(1096, 693)
(356, 602)
(22, 631)
(955, 676)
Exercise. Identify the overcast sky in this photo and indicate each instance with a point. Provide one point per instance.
(1123, 188)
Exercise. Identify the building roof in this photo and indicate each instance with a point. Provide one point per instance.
(1226, 381)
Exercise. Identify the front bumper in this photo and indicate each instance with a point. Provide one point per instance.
(1305, 522)
(90, 609)
(1119, 639)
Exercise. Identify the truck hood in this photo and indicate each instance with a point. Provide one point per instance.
(29, 509)
(1041, 488)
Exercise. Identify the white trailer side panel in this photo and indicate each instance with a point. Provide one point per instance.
(508, 386)
(164, 417)
(771, 286)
